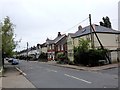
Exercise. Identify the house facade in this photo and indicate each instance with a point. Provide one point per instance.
(70, 46)
(44, 48)
(107, 36)
(56, 46)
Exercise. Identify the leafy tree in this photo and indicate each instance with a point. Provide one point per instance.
(81, 50)
(106, 22)
(0, 46)
(85, 55)
(8, 43)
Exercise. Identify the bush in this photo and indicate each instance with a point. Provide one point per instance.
(43, 57)
(71, 63)
(90, 57)
(62, 58)
(84, 55)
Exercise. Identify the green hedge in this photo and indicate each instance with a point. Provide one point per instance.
(62, 58)
(90, 57)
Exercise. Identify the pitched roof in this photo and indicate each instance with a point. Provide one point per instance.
(43, 45)
(98, 29)
(71, 34)
(58, 38)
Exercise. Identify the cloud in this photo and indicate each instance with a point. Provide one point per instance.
(36, 20)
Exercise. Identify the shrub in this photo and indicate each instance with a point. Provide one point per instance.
(43, 57)
(84, 55)
(81, 52)
(71, 63)
(62, 58)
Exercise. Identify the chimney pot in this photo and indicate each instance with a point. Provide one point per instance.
(59, 34)
(79, 27)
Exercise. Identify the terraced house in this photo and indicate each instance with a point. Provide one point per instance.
(107, 36)
(59, 44)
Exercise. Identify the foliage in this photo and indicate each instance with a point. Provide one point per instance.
(86, 56)
(106, 22)
(43, 56)
(80, 50)
(94, 55)
(62, 58)
(83, 44)
(8, 43)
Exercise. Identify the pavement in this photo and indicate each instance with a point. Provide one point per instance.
(12, 78)
(80, 67)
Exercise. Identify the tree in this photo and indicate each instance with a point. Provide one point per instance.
(81, 51)
(8, 43)
(0, 46)
(106, 22)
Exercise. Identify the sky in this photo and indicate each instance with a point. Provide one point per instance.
(37, 20)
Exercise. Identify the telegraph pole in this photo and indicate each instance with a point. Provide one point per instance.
(91, 33)
(92, 39)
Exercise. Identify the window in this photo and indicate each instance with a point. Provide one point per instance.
(52, 46)
(62, 47)
(58, 47)
(48, 47)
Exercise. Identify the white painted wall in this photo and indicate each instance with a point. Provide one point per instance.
(70, 47)
(114, 56)
(44, 49)
(109, 41)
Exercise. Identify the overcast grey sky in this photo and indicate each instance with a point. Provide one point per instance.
(36, 20)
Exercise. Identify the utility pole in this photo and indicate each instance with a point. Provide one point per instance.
(91, 33)
(92, 39)
(102, 47)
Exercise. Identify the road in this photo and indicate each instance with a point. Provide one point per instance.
(42, 75)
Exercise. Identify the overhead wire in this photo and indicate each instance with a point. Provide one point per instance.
(76, 25)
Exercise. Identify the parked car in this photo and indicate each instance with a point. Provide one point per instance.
(10, 60)
(15, 62)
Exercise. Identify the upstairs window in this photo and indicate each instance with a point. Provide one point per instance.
(52, 46)
(62, 47)
(58, 47)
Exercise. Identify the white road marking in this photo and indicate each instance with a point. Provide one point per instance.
(21, 71)
(78, 78)
(51, 70)
(40, 67)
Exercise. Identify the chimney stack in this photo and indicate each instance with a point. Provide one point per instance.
(79, 27)
(59, 34)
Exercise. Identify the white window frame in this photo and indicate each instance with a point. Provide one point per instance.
(52, 46)
(62, 48)
(58, 47)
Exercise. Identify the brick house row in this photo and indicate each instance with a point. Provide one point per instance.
(63, 43)
(59, 44)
